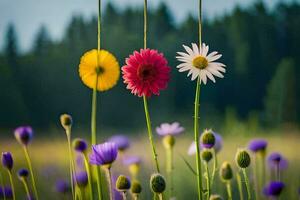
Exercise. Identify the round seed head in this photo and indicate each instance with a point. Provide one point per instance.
(243, 159)
(226, 171)
(79, 145)
(157, 183)
(169, 141)
(123, 183)
(206, 155)
(208, 139)
(66, 121)
(136, 187)
(23, 173)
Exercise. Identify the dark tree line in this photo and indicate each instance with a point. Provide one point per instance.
(259, 47)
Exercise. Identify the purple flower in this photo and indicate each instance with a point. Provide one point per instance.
(274, 188)
(257, 145)
(169, 129)
(276, 160)
(130, 160)
(103, 154)
(23, 173)
(7, 160)
(62, 186)
(79, 145)
(121, 141)
(7, 191)
(81, 179)
(24, 134)
(218, 145)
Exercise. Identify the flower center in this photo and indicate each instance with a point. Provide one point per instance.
(146, 72)
(99, 70)
(200, 62)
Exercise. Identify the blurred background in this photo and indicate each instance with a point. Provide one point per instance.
(41, 43)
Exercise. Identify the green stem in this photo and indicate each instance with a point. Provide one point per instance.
(207, 180)
(26, 187)
(88, 171)
(71, 164)
(31, 172)
(11, 184)
(255, 178)
(196, 138)
(215, 166)
(154, 154)
(247, 184)
(108, 176)
(228, 187)
(124, 195)
(277, 172)
(240, 187)
(170, 170)
(135, 197)
(145, 23)
(263, 169)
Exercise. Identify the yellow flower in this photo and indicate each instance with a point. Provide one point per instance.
(106, 68)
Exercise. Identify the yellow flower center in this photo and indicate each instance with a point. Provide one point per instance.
(99, 70)
(200, 62)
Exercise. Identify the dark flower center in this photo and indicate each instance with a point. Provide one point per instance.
(99, 70)
(146, 72)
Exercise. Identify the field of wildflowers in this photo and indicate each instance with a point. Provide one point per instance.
(168, 163)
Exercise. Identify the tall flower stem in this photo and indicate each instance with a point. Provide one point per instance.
(71, 164)
(169, 170)
(31, 172)
(2, 186)
(26, 187)
(247, 184)
(207, 180)
(11, 184)
(228, 187)
(255, 178)
(215, 166)
(108, 176)
(88, 171)
(154, 154)
(124, 195)
(240, 186)
(196, 113)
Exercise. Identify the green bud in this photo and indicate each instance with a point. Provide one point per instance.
(206, 155)
(66, 121)
(215, 197)
(169, 141)
(243, 159)
(226, 171)
(208, 139)
(157, 183)
(123, 183)
(136, 187)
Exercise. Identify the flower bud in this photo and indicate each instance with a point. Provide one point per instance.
(7, 160)
(215, 197)
(79, 145)
(243, 159)
(66, 121)
(23, 173)
(207, 139)
(226, 171)
(136, 187)
(123, 183)
(157, 183)
(81, 179)
(206, 155)
(24, 135)
(168, 141)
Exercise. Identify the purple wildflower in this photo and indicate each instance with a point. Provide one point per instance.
(7, 191)
(24, 135)
(81, 179)
(62, 186)
(274, 189)
(169, 129)
(7, 160)
(130, 160)
(79, 145)
(257, 145)
(103, 154)
(276, 160)
(23, 173)
(218, 145)
(121, 141)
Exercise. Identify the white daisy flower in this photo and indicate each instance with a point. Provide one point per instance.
(200, 64)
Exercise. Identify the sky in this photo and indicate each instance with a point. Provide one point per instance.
(29, 15)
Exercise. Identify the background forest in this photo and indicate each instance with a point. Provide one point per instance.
(260, 48)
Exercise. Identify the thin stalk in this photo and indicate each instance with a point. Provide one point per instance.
(88, 171)
(160, 196)
(277, 172)
(145, 23)
(154, 154)
(71, 165)
(124, 195)
(228, 187)
(26, 187)
(31, 172)
(2, 186)
(255, 178)
(135, 197)
(247, 184)
(207, 180)
(11, 184)
(240, 186)
(215, 166)
(170, 170)
(108, 176)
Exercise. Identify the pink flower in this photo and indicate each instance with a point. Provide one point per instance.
(146, 72)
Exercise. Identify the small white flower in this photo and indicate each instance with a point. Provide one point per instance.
(169, 129)
(200, 64)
